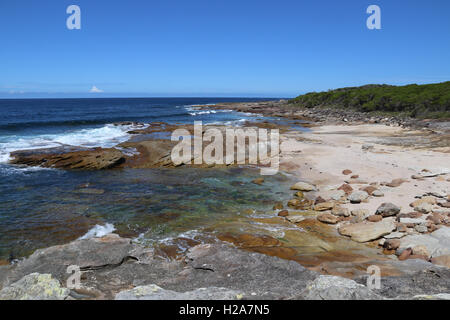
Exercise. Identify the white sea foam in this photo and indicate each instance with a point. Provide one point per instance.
(107, 136)
(99, 231)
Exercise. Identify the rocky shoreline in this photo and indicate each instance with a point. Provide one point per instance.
(116, 268)
(363, 183)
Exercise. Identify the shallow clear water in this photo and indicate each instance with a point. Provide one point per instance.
(45, 207)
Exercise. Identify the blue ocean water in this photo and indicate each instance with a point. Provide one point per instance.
(41, 123)
(42, 207)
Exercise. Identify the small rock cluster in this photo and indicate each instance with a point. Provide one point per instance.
(422, 232)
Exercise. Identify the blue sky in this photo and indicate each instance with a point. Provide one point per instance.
(218, 48)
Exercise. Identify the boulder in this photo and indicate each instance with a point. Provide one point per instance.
(387, 210)
(428, 199)
(337, 288)
(424, 207)
(377, 193)
(323, 206)
(358, 196)
(374, 218)
(70, 158)
(437, 242)
(346, 188)
(340, 211)
(368, 231)
(327, 218)
(303, 186)
(35, 286)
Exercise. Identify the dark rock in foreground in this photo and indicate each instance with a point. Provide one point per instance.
(111, 264)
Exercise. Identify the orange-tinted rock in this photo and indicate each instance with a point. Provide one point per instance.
(346, 188)
(258, 181)
(355, 176)
(278, 206)
(70, 158)
(396, 183)
(405, 254)
(374, 218)
(346, 172)
(369, 189)
(442, 260)
(327, 218)
(283, 213)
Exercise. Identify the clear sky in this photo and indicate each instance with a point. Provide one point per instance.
(218, 47)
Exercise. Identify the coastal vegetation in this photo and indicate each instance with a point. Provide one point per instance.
(417, 101)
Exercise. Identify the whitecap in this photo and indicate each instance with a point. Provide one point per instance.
(99, 231)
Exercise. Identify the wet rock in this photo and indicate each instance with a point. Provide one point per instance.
(387, 210)
(72, 158)
(283, 213)
(154, 292)
(295, 219)
(323, 206)
(300, 204)
(327, 218)
(258, 181)
(303, 186)
(337, 288)
(299, 194)
(278, 206)
(319, 199)
(35, 286)
(368, 231)
(358, 196)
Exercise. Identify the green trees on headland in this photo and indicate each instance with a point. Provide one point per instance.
(418, 101)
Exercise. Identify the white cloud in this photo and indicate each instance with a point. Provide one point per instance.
(94, 89)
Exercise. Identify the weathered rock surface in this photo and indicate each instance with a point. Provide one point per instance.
(388, 209)
(70, 158)
(154, 292)
(367, 231)
(303, 186)
(358, 196)
(35, 286)
(337, 288)
(437, 242)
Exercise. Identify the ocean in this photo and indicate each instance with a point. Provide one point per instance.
(43, 207)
